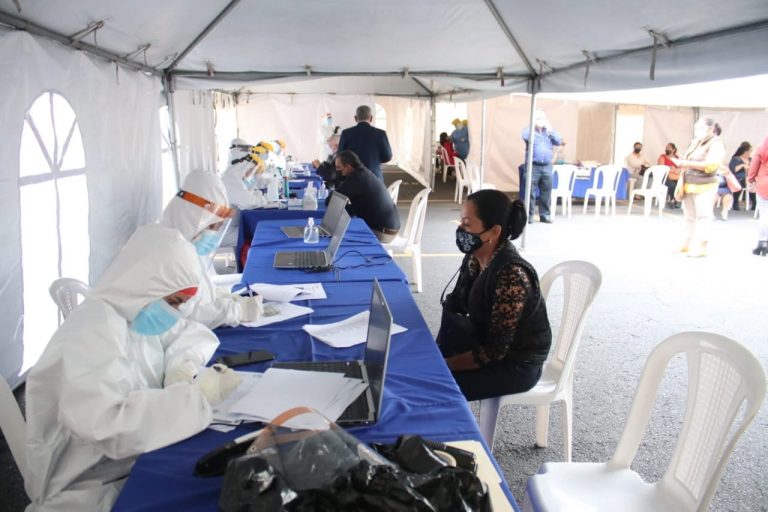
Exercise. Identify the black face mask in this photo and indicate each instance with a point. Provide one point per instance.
(468, 242)
(668, 151)
(637, 150)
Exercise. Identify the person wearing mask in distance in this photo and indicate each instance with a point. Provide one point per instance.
(95, 400)
(200, 213)
(670, 152)
(544, 141)
(327, 168)
(636, 164)
(368, 197)
(494, 333)
(460, 138)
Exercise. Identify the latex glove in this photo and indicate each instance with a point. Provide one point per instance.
(184, 372)
(217, 382)
(251, 308)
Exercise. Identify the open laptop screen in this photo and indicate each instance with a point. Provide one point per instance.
(377, 347)
(336, 205)
(338, 234)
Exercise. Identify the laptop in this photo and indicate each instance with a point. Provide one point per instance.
(366, 409)
(332, 215)
(314, 259)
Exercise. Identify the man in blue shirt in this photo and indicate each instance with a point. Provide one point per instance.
(460, 138)
(544, 140)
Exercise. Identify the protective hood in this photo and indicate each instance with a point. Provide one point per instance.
(189, 218)
(155, 262)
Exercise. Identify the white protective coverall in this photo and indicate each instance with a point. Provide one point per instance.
(95, 400)
(210, 306)
(238, 193)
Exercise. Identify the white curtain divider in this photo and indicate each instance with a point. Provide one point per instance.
(408, 129)
(117, 112)
(196, 137)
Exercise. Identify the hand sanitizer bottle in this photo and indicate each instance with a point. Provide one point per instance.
(309, 201)
(322, 194)
(311, 233)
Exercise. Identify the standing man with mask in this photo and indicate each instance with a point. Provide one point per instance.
(544, 141)
(370, 144)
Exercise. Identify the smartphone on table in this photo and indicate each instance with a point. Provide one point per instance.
(243, 358)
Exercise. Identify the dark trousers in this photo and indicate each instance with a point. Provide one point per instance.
(671, 186)
(541, 177)
(497, 379)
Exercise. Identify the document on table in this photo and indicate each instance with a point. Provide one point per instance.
(281, 389)
(282, 311)
(223, 419)
(487, 473)
(286, 293)
(346, 333)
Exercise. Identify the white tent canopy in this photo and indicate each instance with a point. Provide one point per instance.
(96, 138)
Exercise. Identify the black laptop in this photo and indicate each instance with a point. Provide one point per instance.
(314, 259)
(332, 216)
(366, 409)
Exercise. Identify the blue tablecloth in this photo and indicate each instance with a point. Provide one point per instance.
(580, 185)
(420, 396)
(359, 258)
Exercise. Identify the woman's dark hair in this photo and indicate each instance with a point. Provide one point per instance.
(743, 148)
(674, 148)
(715, 127)
(443, 137)
(496, 208)
(348, 157)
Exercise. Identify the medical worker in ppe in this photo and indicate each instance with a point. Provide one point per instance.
(95, 400)
(200, 213)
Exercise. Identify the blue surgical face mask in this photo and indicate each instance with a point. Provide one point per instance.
(206, 242)
(155, 318)
(249, 182)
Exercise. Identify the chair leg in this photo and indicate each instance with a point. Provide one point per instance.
(647, 206)
(631, 200)
(598, 205)
(416, 255)
(541, 425)
(489, 413)
(567, 419)
(586, 202)
(611, 201)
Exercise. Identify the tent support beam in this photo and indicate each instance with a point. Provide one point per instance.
(268, 75)
(535, 85)
(427, 89)
(505, 28)
(34, 29)
(231, 5)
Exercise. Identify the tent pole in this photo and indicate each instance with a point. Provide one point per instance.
(482, 145)
(431, 153)
(529, 159)
(167, 89)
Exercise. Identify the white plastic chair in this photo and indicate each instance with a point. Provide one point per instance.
(13, 426)
(409, 238)
(65, 291)
(607, 189)
(442, 154)
(657, 175)
(581, 282)
(724, 379)
(473, 176)
(566, 179)
(462, 180)
(394, 190)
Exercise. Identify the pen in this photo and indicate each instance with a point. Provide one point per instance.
(248, 287)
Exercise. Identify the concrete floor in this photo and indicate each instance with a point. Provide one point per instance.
(649, 292)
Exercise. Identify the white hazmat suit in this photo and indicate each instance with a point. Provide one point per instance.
(95, 399)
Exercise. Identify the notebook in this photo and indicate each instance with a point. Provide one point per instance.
(314, 259)
(332, 216)
(372, 368)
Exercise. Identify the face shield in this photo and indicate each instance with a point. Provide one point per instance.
(208, 240)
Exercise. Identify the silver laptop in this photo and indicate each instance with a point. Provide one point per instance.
(372, 368)
(332, 215)
(315, 259)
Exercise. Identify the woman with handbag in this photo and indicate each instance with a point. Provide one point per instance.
(702, 159)
(758, 178)
(494, 333)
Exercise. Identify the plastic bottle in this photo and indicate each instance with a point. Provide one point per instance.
(309, 202)
(322, 193)
(311, 233)
(273, 194)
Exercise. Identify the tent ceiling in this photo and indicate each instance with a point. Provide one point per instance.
(460, 45)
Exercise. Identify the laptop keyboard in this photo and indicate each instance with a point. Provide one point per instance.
(307, 259)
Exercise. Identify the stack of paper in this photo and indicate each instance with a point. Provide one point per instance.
(287, 292)
(346, 333)
(278, 311)
(264, 398)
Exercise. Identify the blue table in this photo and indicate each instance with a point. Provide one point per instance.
(420, 396)
(580, 185)
(360, 256)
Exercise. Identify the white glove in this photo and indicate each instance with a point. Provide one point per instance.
(251, 308)
(217, 382)
(184, 372)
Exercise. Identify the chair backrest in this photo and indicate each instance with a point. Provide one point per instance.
(657, 175)
(443, 154)
(566, 177)
(724, 379)
(581, 282)
(610, 174)
(13, 427)
(64, 292)
(394, 190)
(417, 213)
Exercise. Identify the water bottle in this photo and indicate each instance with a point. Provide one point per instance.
(309, 202)
(273, 194)
(311, 234)
(322, 194)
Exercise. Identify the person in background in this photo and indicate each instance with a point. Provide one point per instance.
(99, 396)
(739, 165)
(636, 163)
(200, 213)
(460, 138)
(327, 168)
(447, 144)
(370, 144)
(703, 157)
(499, 292)
(544, 141)
(724, 194)
(670, 152)
(758, 178)
(368, 197)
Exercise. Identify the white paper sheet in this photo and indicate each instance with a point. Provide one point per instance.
(285, 311)
(346, 333)
(287, 292)
(222, 411)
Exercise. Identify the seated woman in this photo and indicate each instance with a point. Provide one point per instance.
(494, 334)
(327, 168)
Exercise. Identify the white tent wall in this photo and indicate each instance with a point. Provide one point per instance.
(739, 126)
(196, 141)
(117, 113)
(664, 125)
(225, 124)
(408, 130)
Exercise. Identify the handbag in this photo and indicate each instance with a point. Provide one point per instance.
(732, 182)
(457, 332)
(680, 188)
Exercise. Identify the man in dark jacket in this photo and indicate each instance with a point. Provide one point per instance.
(368, 197)
(370, 144)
